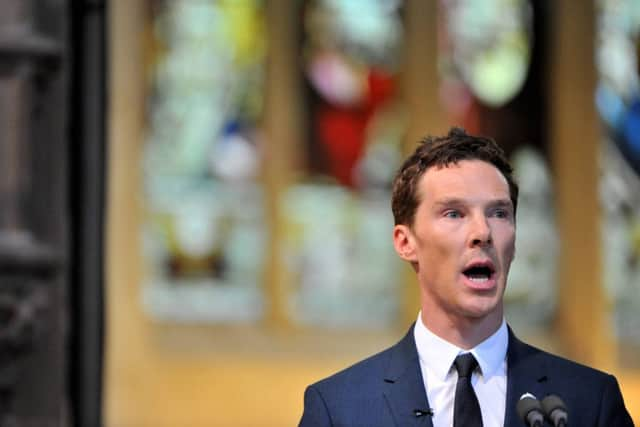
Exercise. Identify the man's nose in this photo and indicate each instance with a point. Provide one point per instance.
(480, 233)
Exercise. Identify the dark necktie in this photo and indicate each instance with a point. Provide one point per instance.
(466, 409)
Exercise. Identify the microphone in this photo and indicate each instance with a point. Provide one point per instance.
(422, 412)
(530, 411)
(556, 410)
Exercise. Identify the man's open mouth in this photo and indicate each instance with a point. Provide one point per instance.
(479, 273)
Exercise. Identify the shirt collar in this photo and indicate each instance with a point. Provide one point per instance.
(439, 354)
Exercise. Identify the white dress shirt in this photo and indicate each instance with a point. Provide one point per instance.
(440, 377)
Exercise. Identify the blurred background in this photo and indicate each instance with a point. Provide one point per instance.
(194, 194)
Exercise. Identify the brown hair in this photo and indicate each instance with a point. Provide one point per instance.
(443, 151)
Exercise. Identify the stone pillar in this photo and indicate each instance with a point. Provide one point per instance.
(27, 266)
(426, 116)
(575, 145)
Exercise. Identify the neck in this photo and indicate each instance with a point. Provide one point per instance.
(464, 332)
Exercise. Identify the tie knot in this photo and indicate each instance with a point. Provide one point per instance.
(465, 364)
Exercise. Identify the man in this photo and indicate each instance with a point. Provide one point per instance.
(454, 203)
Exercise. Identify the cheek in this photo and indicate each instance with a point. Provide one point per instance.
(509, 247)
(438, 252)
(440, 242)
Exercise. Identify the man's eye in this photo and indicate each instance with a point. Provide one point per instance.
(452, 214)
(501, 213)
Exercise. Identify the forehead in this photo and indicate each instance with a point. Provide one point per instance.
(467, 179)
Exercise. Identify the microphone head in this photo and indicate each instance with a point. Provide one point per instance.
(555, 409)
(553, 402)
(529, 410)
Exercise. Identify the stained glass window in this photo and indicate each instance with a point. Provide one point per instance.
(486, 51)
(203, 222)
(486, 64)
(618, 102)
(338, 240)
(530, 297)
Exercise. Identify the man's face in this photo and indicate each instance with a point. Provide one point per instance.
(462, 241)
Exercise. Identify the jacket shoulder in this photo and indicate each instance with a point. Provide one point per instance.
(592, 397)
(360, 376)
(353, 396)
(555, 363)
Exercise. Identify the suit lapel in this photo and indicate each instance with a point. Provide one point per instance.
(404, 388)
(526, 373)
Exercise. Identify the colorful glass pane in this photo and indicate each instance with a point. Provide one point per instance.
(337, 251)
(618, 102)
(488, 48)
(486, 52)
(203, 223)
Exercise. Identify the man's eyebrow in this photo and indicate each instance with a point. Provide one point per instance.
(455, 201)
(449, 201)
(502, 203)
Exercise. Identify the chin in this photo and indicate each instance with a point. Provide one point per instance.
(483, 310)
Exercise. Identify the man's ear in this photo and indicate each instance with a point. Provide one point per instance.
(404, 243)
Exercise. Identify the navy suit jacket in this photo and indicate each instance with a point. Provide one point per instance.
(387, 390)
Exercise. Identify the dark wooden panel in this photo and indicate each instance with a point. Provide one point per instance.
(52, 74)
